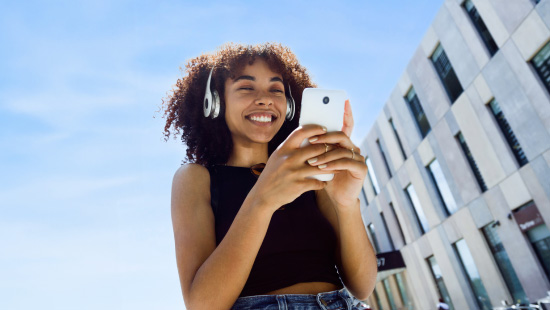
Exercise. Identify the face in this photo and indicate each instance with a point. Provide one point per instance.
(255, 104)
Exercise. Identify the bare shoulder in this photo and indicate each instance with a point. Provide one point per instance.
(193, 221)
(190, 174)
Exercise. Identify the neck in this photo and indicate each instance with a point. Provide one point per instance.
(248, 155)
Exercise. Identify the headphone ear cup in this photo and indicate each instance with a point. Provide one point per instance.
(207, 104)
(290, 108)
(215, 104)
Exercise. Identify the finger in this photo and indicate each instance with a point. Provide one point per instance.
(335, 155)
(347, 128)
(355, 168)
(302, 133)
(337, 137)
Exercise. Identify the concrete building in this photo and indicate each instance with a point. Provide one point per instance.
(459, 162)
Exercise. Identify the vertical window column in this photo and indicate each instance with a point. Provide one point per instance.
(417, 208)
(418, 113)
(486, 36)
(372, 176)
(470, 269)
(384, 157)
(398, 223)
(442, 187)
(398, 139)
(438, 277)
(387, 288)
(503, 263)
(387, 231)
(446, 74)
(403, 291)
(508, 133)
(541, 63)
(471, 161)
(374, 240)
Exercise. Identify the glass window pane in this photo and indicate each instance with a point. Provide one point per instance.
(418, 112)
(387, 288)
(420, 216)
(372, 177)
(472, 162)
(539, 237)
(508, 133)
(442, 187)
(403, 291)
(446, 73)
(398, 139)
(373, 238)
(504, 264)
(481, 28)
(541, 62)
(381, 148)
(472, 273)
(438, 277)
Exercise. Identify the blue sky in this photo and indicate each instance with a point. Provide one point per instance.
(85, 173)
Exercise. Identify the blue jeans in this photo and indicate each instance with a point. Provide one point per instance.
(334, 300)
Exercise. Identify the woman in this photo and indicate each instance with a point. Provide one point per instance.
(252, 239)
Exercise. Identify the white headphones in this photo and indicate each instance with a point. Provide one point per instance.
(211, 102)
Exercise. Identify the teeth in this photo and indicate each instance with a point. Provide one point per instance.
(262, 119)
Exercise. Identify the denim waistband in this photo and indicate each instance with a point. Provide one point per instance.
(333, 300)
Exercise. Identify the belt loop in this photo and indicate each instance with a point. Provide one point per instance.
(321, 302)
(281, 301)
(344, 294)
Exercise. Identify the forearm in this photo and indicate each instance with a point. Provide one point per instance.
(221, 278)
(357, 257)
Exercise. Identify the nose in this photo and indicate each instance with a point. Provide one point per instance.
(264, 99)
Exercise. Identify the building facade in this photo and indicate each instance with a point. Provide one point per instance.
(459, 162)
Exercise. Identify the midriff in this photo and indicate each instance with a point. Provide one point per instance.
(306, 288)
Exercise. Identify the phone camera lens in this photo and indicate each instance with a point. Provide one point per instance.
(326, 100)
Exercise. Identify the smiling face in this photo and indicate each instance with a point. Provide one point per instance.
(255, 104)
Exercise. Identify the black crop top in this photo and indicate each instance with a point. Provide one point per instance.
(299, 245)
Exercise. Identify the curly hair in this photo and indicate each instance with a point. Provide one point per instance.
(209, 140)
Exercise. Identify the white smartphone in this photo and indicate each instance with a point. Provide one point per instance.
(323, 107)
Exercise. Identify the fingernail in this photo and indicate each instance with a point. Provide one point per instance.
(324, 129)
(323, 166)
(311, 161)
(313, 139)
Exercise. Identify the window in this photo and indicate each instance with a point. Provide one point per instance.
(446, 73)
(387, 230)
(471, 161)
(398, 139)
(480, 27)
(539, 237)
(365, 195)
(384, 157)
(387, 288)
(373, 238)
(503, 263)
(541, 62)
(472, 274)
(398, 223)
(372, 177)
(377, 298)
(438, 277)
(508, 133)
(403, 291)
(419, 213)
(443, 190)
(418, 112)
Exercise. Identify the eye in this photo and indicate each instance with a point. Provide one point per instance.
(246, 88)
(277, 91)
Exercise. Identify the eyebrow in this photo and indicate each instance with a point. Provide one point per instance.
(251, 78)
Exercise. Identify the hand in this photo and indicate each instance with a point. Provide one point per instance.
(345, 161)
(284, 177)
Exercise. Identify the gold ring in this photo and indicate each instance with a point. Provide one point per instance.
(352, 153)
(326, 147)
